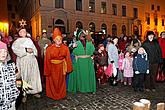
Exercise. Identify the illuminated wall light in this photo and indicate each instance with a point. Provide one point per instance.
(4, 27)
(44, 30)
(6, 24)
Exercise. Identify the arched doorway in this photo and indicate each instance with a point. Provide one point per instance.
(135, 30)
(114, 30)
(79, 25)
(60, 24)
(124, 29)
(104, 28)
(92, 27)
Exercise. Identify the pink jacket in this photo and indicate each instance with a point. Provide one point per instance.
(128, 67)
(120, 61)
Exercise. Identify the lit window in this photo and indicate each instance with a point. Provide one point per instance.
(103, 7)
(114, 9)
(91, 5)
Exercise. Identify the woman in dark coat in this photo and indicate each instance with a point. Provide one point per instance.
(153, 50)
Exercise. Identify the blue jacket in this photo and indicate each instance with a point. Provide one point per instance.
(141, 64)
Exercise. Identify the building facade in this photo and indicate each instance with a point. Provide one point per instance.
(4, 26)
(114, 17)
(154, 16)
(13, 16)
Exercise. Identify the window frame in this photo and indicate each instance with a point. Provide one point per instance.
(114, 9)
(135, 12)
(59, 3)
(103, 7)
(92, 5)
(78, 5)
(124, 10)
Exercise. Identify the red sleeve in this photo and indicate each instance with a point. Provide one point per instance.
(68, 61)
(47, 62)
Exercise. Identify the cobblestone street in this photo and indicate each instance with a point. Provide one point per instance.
(106, 98)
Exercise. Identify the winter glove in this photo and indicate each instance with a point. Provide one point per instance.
(147, 71)
(137, 72)
(112, 61)
(26, 86)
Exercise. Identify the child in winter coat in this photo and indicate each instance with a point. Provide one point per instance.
(140, 67)
(120, 63)
(101, 60)
(127, 68)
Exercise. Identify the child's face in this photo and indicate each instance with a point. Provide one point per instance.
(3, 54)
(127, 54)
(58, 41)
(140, 51)
(102, 48)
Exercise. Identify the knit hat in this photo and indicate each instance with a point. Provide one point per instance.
(57, 33)
(3, 45)
(145, 53)
(100, 45)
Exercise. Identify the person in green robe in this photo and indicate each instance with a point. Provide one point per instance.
(83, 79)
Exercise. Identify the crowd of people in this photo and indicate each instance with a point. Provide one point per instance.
(75, 64)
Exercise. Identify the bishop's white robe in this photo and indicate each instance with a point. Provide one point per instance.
(27, 63)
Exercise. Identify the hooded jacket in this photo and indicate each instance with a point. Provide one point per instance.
(141, 63)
